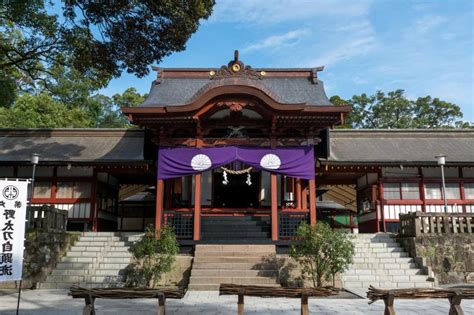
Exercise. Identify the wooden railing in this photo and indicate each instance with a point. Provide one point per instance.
(47, 218)
(419, 223)
(181, 222)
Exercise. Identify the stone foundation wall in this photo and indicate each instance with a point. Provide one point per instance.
(449, 256)
(180, 272)
(289, 273)
(43, 250)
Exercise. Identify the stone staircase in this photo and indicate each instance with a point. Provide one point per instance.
(238, 264)
(381, 262)
(97, 259)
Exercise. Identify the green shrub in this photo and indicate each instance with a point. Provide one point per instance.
(153, 257)
(322, 252)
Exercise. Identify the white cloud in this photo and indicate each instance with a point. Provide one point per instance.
(427, 23)
(348, 41)
(288, 39)
(275, 11)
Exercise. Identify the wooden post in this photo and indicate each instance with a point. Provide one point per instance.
(197, 208)
(159, 205)
(304, 197)
(298, 193)
(455, 307)
(389, 310)
(240, 305)
(304, 305)
(274, 201)
(161, 304)
(312, 202)
(89, 309)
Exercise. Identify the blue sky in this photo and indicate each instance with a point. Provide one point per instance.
(425, 47)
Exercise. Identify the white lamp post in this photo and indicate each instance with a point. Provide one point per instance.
(441, 162)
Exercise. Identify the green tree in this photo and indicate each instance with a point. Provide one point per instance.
(153, 257)
(41, 111)
(321, 252)
(394, 110)
(99, 39)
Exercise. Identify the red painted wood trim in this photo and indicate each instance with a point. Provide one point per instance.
(298, 193)
(197, 208)
(312, 202)
(93, 214)
(304, 196)
(382, 212)
(159, 204)
(274, 207)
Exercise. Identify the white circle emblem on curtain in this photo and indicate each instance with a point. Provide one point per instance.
(270, 161)
(201, 162)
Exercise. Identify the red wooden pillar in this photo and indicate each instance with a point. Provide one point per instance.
(312, 202)
(304, 197)
(197, 208)
(382, 210)
(274, 201)
(159, 204)
(298, 193)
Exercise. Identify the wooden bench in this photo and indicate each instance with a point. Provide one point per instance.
(455, 296)
(272, 292)
(89, 295)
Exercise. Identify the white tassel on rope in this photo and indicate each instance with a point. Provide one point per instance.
(249, 179)
(225, 180)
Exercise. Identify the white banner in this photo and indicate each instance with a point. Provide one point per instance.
(13, 202)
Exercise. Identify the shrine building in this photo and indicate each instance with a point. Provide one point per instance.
(240, 154)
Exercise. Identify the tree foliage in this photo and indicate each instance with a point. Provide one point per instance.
(99, 39)
(322, 252)
(153, 257)
(393, 110)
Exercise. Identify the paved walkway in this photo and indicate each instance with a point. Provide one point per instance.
(55, 302)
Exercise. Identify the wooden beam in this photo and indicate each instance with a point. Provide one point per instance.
(159, 204)
(197, 208)
(274, 202)
(312, 202)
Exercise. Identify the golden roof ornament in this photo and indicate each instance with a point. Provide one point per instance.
(236, 68)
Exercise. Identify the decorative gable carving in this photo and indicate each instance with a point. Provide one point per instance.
(236, 68)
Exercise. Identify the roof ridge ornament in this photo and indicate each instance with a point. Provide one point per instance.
(236, 68)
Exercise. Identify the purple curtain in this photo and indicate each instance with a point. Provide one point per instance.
(292, 161)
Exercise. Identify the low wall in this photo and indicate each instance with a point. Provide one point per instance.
(43, 250)
(449, 256)
(179, 274)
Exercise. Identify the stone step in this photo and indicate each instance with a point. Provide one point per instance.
(413, 278)
(230, 259)
(70, 272)
(235, 248)
(375, 266)
(233, 273)
(99, 238)
(65, 265)
(116, 260)
(234, 280)
(112, 265)
(89, 243)
(82, 254)
(386, 285)
(108, 278)
(98, 234)
(65, 278)
(233, 266)
(382, 272)
(118, 254)
(215, 287)
(79, 259)
(109, 272)
(87, 249)
(234, 253)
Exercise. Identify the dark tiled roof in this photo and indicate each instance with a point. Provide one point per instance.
(401, 146)
(286, 90)
(72, 145)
